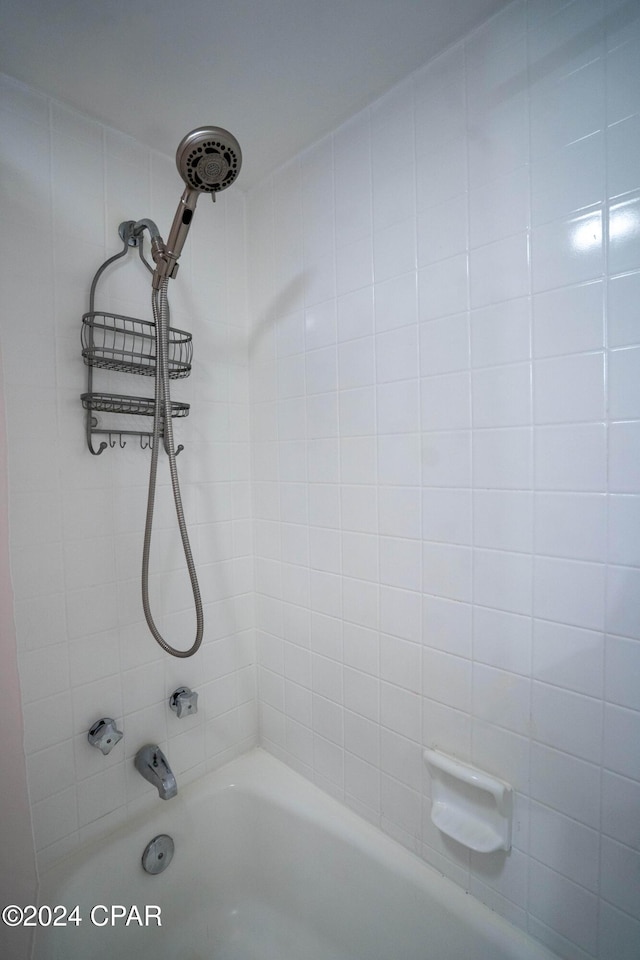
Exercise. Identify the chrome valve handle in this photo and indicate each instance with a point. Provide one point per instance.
(184, 702)
(104, 735)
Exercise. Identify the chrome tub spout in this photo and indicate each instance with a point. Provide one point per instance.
(153, 765)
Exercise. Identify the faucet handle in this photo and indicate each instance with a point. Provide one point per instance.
(104, 735)
(184, 702)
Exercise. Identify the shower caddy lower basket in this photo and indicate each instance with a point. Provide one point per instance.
(111, 341)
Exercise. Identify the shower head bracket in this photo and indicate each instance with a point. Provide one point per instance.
(127, 234)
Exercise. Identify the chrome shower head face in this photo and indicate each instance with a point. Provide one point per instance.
(209, 159)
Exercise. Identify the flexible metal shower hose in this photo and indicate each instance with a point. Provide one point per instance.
(162, 415)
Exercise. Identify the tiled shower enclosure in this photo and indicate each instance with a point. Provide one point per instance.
(411, 468)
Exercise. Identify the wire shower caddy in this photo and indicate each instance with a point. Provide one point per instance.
(112, 341)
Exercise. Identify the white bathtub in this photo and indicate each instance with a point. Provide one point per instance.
(266, 867)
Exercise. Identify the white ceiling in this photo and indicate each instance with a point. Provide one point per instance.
(278, 74)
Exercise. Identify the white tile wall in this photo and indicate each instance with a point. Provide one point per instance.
(76, 521)
(459, 463)
(445, 450)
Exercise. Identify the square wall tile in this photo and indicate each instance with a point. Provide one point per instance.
(623, 601)
(502, 458)
(352, 159)
(354, 266)
(567, 847)
(571, 525)
(446, 515)
(624, 235)
(447, 571)
(400, 563)
(620, 798)
(622, 668)
(566, 784)
(622, 294)
(499, 141)
(621, 743)
(394, 250)
(567, 251)
(442, 230)
(447, 679)
(444, 345)
(502, 396)
(399, 459)
(356, 363)
(54, 818)
(441, 172)
(568, 320)
(570, 592)
(502, 580)
(360, 556)
(503, 520)
(400, 662)
(44, 673)
(567, 721)
(548, 37)
(500, 333)
(619, 932)
(395, 303)
(624, 453)
(623, 144)
(568, 180)
(499, 208)
(566, 108)
(51, 770)
(440, 114)
(623, 522)
(397, 354)
(447, 625)
(624, 388)
(59, 726)
(571, 457)
(442, 288)
(623, 83)
(619, 869)
(568, 657)
(501, 698)
(399, 511)
(398, 407)
(446, 459)
(563, 906)
(502, 639)
(499, 271)
(400, 711)
(401, 613)
(446, 402)
(74, 165)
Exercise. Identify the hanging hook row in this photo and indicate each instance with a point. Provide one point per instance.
(146, 440)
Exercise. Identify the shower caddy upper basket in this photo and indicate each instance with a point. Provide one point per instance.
(123, 344)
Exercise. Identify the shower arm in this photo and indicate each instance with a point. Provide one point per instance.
(131, 233)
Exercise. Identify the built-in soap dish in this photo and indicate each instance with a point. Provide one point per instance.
(468, 804)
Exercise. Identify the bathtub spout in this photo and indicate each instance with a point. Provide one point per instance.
(153, 765)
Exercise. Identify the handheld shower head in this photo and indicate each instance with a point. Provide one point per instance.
(208, 160)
